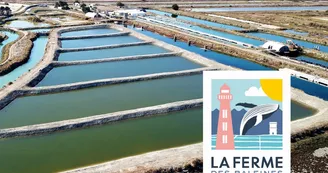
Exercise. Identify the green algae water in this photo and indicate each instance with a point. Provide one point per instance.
(24, 24)
(97, 31)
(299, 111)
(81, 103)
(77, 148)
(111, 53)
(90, 42)
(79, 73)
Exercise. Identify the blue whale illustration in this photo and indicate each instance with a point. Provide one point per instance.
(254, 116)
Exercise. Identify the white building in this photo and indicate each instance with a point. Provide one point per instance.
(273, 128)
(92, 15)
(77, 4)
(131, 13)
(276, 47)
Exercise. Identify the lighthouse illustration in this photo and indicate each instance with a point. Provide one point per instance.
(225, 136)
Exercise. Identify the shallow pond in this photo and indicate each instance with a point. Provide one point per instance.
(89, 32)
(111, 53)
(100, 100)
(79, 73)
(72, 149)
(24, 24)
(90, 42)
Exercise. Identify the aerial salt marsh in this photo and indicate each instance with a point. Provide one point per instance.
(111, 53)
(35, 57)
(11, 37)
(86, 72)
(72, 149)
(292, 8)
(306, 86)
(90, 42)
(87, 102)
(96, 31)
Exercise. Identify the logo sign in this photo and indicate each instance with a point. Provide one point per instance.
(246, 122)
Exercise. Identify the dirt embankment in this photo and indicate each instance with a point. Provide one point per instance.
(203, 16)
(303, 157)
(301, 21)
(249, 54)
(17, 53)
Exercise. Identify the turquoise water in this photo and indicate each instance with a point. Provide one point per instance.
(78, 73)
(24, 24)
(90, 42)
(260, 9)
(204, 22)
(100, 100)
(308, 87)
(89, 32)
(314, 61)
(296, 32)
(77, 148)
(255, 142)
(111, 53)
(35, 57)
(11, 37)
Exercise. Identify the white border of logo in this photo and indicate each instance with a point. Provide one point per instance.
(229, 154)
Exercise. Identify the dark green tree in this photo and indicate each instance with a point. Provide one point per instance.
(119, 4)
(175, 7)
(86, 9)
(174, 15)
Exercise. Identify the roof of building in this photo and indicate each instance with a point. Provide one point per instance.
(130, 11)
(91, 14)
(274, 45)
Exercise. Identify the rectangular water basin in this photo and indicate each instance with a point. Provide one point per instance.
(97, 31)
(77, 148)
(82, 103)
(87, 72)
(111, 53)
(103, 41)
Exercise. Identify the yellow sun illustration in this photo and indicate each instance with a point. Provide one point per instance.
(272, 88)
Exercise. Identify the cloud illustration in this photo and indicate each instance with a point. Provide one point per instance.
(255, 92)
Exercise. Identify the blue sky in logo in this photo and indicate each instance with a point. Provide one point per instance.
(237, 89)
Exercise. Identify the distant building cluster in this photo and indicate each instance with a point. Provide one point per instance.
(5, 11)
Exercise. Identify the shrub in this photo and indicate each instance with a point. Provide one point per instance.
(175, 7)
(174, 15)
(119, 4)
